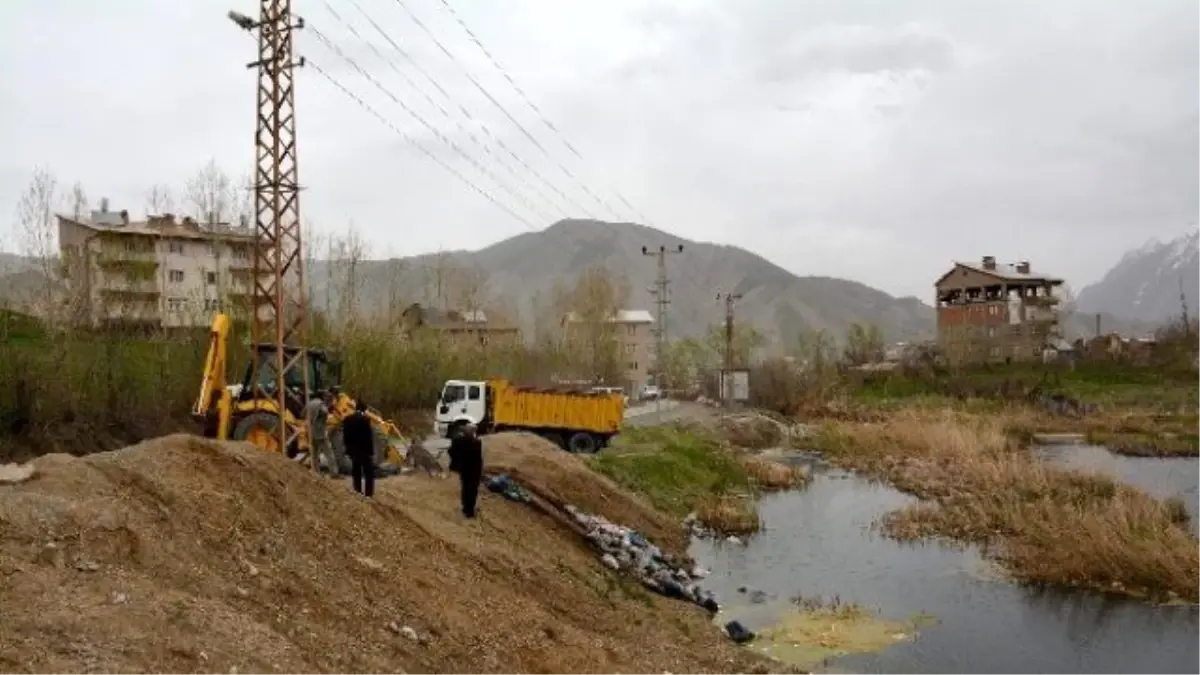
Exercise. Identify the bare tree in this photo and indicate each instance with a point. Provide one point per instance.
(864, 344)
(159, 200)
(592, 305)
(37, 240)
(77, 202)
(209, 195)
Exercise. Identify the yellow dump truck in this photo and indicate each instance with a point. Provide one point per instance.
(575, 420)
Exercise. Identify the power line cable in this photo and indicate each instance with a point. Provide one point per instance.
(324, 39)
(412, 141)
(524, 97)
(500, 106)
(466, 113)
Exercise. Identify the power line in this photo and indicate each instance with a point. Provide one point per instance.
(415, 115)
(462, 109)
(500, 106)
(532, 106)
(423, 150)
(727, 371)
(662, 300)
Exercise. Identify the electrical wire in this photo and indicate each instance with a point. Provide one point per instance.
(524, 97)
(500, 106)
(412, 141)
(321, 37)
(462, 109)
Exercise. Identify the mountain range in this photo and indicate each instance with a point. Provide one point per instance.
(518, 277)
(1147, 282)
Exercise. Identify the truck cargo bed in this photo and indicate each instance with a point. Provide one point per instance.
(535, 408)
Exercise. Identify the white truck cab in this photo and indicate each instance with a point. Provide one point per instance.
(461, 402)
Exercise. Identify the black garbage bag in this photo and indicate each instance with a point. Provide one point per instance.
(738, 633)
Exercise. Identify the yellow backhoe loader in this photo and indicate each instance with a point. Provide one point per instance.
(249, 411)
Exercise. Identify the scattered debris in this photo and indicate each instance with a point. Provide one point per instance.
(624, 549)
(507, 488)
(87, 566)
(738, 633)
(11, 474)
(120, 598)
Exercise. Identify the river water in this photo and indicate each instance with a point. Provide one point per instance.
(819, 542)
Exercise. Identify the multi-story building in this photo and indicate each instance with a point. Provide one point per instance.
(158, 273)
(459, 327)
(633, 331)
(989, 313)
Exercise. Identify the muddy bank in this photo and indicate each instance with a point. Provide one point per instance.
(183, 555)
(823, 541)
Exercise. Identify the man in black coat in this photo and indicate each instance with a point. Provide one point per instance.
(466, 457)
(359, 440)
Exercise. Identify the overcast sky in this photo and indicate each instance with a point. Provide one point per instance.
(874, 140)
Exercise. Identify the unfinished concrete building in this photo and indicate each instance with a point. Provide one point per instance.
(996, 313)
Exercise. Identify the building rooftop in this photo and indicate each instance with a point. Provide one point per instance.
(622, 316)
(164, 226)
(1010, 271)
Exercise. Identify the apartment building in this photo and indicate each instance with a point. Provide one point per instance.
(466, 327)
(633, 330)
(157, 273)
(989, 312)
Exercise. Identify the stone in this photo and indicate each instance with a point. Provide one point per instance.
(610, 561)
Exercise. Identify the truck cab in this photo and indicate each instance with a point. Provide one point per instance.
(461, 402)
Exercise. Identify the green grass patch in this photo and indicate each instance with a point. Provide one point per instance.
(677, 468)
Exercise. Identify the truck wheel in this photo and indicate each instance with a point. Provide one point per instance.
(260, 429)
(583, 443)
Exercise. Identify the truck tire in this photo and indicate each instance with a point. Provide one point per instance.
(583, 443)
(259, 428)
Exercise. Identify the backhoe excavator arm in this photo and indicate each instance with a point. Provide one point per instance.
(214, 404)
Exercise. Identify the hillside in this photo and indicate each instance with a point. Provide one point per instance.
(780, 303)
(186, 555)
(516, 277)
(1145, 284)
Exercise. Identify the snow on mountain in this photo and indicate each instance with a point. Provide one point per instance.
(1146, 283)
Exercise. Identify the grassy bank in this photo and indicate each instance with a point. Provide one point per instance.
(684, 470)
(1046, 525)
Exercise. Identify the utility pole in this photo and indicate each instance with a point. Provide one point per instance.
(662, 300)
(727, 372)
(280, 313)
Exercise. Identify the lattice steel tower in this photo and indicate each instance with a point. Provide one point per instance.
(280, 316)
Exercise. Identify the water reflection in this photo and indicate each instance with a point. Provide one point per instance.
(820, 542)
(1160, 477)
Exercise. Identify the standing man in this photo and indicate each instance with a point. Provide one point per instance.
(466, 457)
(316, 415)
(359, 440)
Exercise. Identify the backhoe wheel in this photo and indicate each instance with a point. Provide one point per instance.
(583, 443)
(260, 429)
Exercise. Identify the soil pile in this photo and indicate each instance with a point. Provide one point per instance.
(182, 554)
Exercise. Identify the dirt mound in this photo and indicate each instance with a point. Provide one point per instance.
(182, 554)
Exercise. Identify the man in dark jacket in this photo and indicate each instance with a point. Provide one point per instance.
(359, 440)
(466, 457)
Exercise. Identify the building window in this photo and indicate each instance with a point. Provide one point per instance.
(175, 276)
(633, 365)
(212, 304)
(241, 252)
(629, 348)
(630, 329)
(991, 331)
(175, 247)
(211, 277)
(176, 304)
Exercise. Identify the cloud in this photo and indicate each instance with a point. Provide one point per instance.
(833, 138)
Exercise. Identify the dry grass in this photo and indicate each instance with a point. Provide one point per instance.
(771, 475)
(1049, 525)
(729, 514)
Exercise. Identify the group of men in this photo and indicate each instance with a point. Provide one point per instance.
(358, 439)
